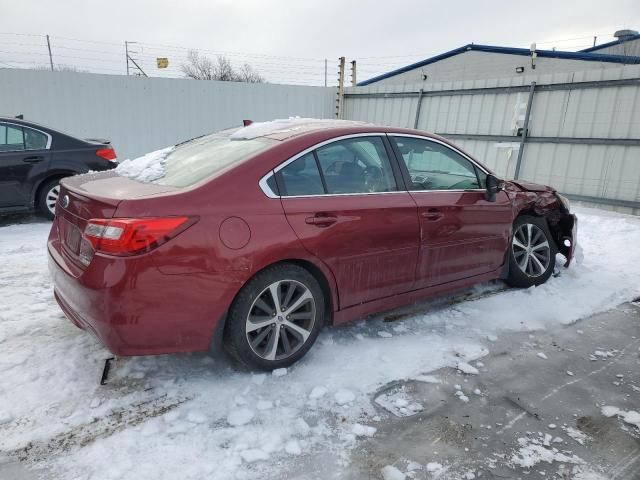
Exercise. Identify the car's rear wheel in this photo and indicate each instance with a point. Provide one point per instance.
(48, 197)
(276, 318)
(532, 252)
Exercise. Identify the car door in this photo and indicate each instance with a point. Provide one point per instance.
(462, 234)
(345, 203)
(23, 153)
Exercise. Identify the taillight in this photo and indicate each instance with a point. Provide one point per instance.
(107, 154)
(129, 236)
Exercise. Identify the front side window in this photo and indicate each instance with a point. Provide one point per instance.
(433, 166)
(11, 138)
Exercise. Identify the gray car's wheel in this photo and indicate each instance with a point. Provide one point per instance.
(275, 318)
(48, 197)
(532, 252)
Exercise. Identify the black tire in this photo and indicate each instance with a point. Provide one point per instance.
(254, 298)
(45, 198)
(534, 259)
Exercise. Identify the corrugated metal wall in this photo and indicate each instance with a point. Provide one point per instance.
(143, 114)
(584, 128)
(630, 47)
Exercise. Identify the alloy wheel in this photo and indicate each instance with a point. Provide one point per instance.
(531, 250)
(280, 320)
(52, 198)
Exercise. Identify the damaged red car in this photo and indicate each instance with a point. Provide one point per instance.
(260, 236)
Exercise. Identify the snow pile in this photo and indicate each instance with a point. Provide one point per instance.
(464, 367)
(363, 430)
(399, 402)
(532, 452)
(284, 125)
(239, 417)
(392, 473)
(631, 417)
(577, 435)
(147, 168)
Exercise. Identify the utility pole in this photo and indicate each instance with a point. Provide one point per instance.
(325, 72)
(50, 56)
(126, 52)
(353, 73)
(133, 60)
(339, 100)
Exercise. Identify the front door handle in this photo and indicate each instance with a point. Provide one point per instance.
(432, 214)
(321, 220)
(33, 159)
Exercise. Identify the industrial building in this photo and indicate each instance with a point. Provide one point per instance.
(478, 62)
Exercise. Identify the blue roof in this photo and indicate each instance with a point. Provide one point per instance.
(611, 44)
(584, 55)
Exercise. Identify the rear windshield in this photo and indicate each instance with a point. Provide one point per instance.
(197, 159)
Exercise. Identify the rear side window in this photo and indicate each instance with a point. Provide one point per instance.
(301, 177)
(350, 166)
(11, 138)
(35, 140)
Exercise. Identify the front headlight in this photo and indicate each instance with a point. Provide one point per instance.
(565, 202)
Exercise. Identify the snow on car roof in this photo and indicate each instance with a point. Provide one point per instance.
(288, 127)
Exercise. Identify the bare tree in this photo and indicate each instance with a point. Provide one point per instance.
(204, 68)
(61, 68)
(249, 75)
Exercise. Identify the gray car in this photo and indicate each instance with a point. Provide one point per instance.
(34, 158)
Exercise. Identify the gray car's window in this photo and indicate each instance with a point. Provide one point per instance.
(35, 140)
(433, 166)
(11, 138)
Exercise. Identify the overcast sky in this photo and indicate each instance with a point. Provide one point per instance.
(402, 30)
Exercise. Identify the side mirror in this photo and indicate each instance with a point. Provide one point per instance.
(493, 187)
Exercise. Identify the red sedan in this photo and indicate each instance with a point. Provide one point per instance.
(262, 235)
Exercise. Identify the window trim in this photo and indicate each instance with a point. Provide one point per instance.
(271, 194)
(393, 158)
(403, 166)
(49, 138)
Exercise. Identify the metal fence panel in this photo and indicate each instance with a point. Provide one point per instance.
(583, 131)
(143, 114)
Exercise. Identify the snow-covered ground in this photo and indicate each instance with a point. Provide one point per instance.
(194, 416)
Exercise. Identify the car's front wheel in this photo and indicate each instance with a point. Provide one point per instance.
(48, 197)
(276, 318)
(532, 252)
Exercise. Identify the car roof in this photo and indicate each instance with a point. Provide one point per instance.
(285, 129)
(26, 123)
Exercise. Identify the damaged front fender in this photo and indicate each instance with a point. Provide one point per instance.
(543, 201)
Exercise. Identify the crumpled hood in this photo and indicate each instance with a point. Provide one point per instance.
(531, 187)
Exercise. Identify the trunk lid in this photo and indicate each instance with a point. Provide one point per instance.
(94, 195)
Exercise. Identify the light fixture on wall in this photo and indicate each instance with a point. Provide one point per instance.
(519, 69)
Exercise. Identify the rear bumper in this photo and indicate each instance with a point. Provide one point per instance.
(134, 309)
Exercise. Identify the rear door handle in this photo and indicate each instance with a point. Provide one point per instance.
(321, 220)
(33, 159)
(432, 214)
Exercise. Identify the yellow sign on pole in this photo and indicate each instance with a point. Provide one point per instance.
(162, 62)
